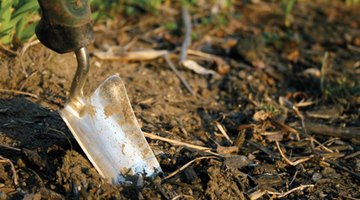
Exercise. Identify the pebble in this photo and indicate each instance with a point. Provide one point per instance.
(251, 156)
(316, 177)
(236, 161)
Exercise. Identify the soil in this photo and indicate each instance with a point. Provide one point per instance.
(276, 87)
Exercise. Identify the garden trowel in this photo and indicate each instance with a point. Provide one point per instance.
(103, 123)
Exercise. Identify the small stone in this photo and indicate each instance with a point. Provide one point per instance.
(236, 161)
(316, 177)
(251, 156)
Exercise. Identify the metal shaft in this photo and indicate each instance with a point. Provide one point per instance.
(76, 91)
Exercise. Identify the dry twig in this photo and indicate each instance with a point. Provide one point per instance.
(19, 92)
(294, 177)
(182, 196)
(141, 55)
(9, 147)
(289, 161)
(222, 130)
(177, 73)
(194, 66)
(187, 39)
(259, 193)
(340, 132)
(284, 194)
(32, 41)
(15, 177)
(178, 143)
(145, 55)
(353, 48)
(28, 77)
(186, 165)
(302, 118)
(216, 59)
(352, 155)
(286, 128)
(312, 139)
(8, 50)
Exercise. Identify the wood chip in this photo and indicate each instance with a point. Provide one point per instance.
(194, 66)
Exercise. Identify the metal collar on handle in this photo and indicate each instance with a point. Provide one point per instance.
(76, 91)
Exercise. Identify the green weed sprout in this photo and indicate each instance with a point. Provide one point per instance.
(288, 6)
(17, 19)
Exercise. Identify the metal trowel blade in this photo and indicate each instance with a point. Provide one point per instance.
(105, 126)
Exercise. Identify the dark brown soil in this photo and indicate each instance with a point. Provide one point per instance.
(271, 68)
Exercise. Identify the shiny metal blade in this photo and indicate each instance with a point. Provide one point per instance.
(107, 130)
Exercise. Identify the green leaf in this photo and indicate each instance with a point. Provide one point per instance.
(23, 10)
(20, 27)
(28, 32)
(5, 10)
(5, 16)
(14, 18)
(5, 32)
